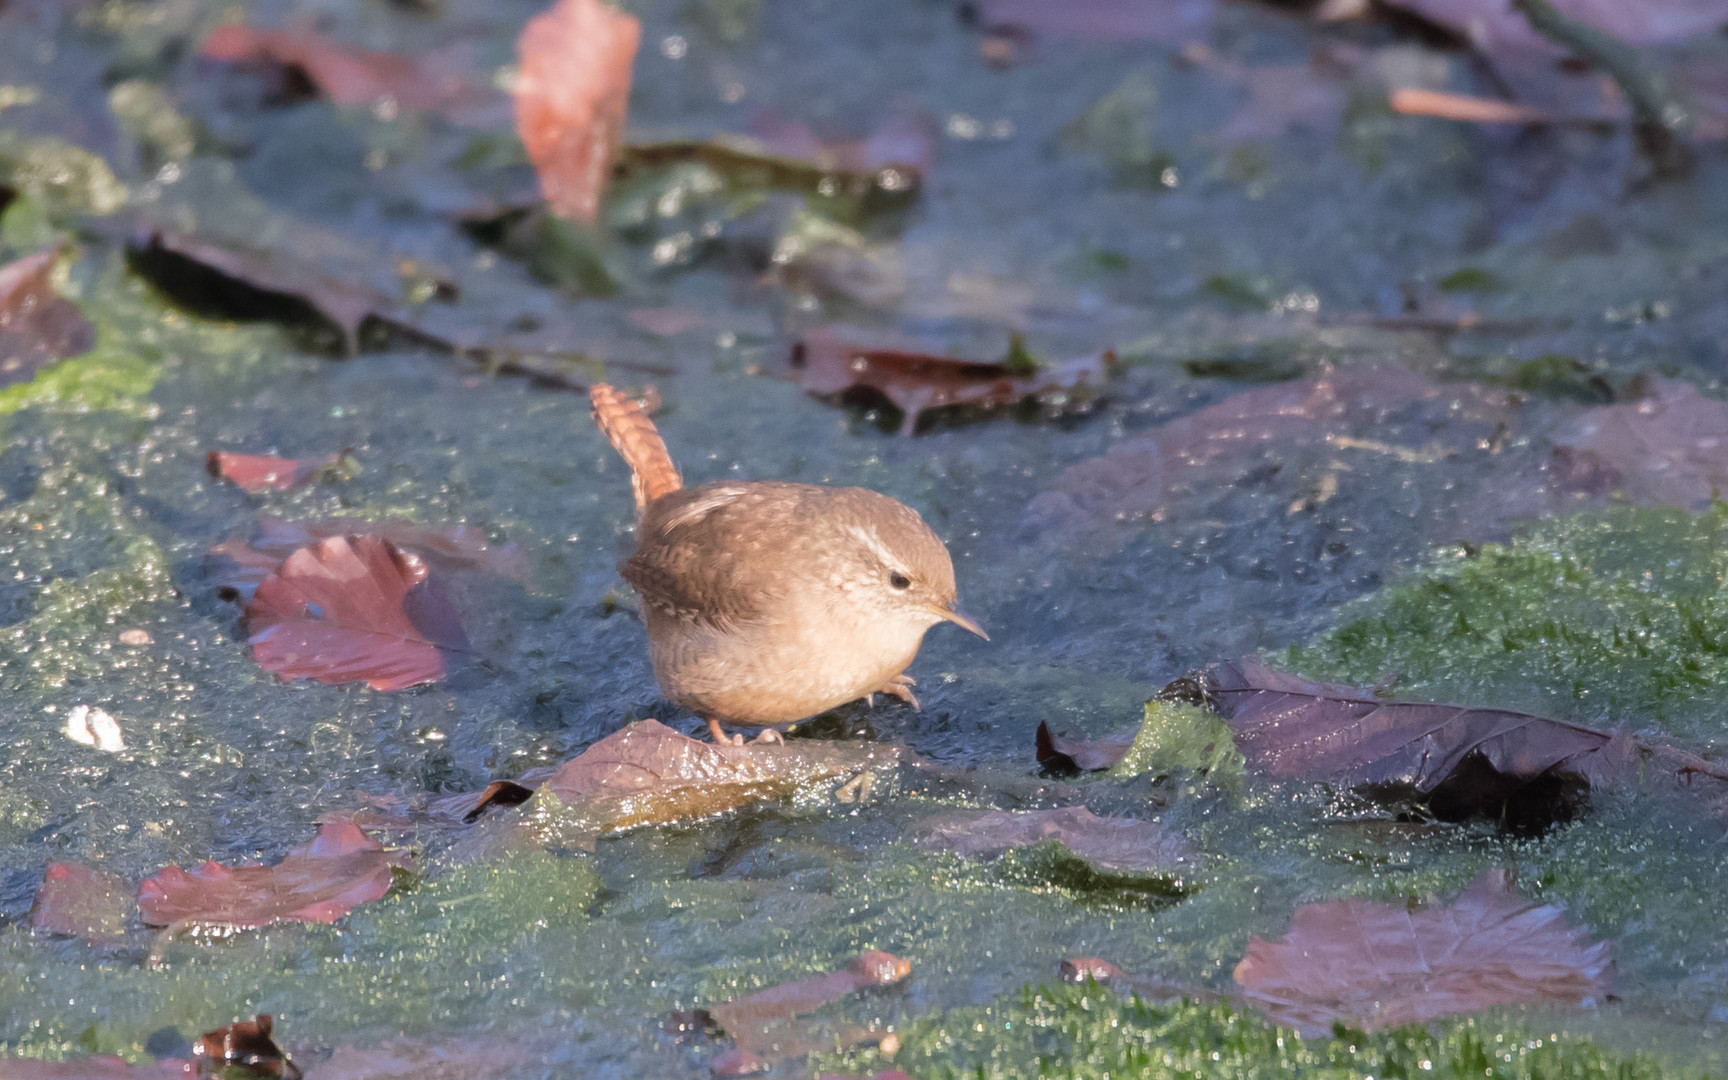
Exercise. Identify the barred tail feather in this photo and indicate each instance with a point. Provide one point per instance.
(634, 436)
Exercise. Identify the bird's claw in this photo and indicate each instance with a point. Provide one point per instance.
(900, 686)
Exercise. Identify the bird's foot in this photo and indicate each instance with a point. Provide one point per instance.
(900, 686)
(720, 736)
(768, 735)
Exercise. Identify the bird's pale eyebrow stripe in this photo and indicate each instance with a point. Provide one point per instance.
(871, 540)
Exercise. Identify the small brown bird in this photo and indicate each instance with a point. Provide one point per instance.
(769, 602)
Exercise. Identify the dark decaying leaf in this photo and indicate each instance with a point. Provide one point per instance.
(1375, 965)
(82, 901)
(245, 1045)
(37, 325)
(917, 383)
(1669, 446)
(346, 75)
(339, 870)
(649, 774)
(572, 93)
(353, 609)
(1066, 756)
(1169, 21)
(1463, 761)
(266, 472)
(1110, 844)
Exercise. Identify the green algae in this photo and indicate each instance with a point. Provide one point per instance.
(67, 179)
(1613, 618)
(1178, 737)
(1087, 1031)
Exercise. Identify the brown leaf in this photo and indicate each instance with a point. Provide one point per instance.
(353, 609)
(246, 1044)
(745, 1017)
(1464, 761)
(1209, 448)
(1169, 21)
(346, 75)
(82, 901)
(1111, 844)
(1378, 966)
(338, 871)
(37, 325)
(266, 472)
(1063, 755)
(572, 90)
(917, 383)
(472, 1058)
(649, 774)
(1669, 447)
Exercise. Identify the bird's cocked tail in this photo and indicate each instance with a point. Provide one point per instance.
(634, 436)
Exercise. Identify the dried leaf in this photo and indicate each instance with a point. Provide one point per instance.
(247, 1045)
(1169, 21)
(339, 870)
(746, 1016)
(1463, 761)
(1375, 965)
(1668, 447)
(352, 609)
(917, 383)
(572, 91)
(266, 472)
(82, 901)
(346, 75)
(1113, 845)
(1063, 755)
(649, 774)
(37, 325)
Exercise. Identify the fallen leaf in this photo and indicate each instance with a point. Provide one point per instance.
(1209, 448)
(647, 773)
(81, 901)
(744, 1017)
(266, 472)
(1495, 28)
(1168, 21)
(1375, 966)
(352, 609)
(1670, 446)
(338, 871)
(917, 383)
(572, 91)
(37, 325)
(1462, 761)
(1414, 101)
(246, 1044)
(238, 565)
(471, 1058)
(1111, 844)
(348, 76)
(1063, 755)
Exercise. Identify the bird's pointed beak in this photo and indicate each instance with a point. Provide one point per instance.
(960, 618)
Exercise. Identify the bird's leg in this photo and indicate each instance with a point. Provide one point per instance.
(900, 686)
(720, 736)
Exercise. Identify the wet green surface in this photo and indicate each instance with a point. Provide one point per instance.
(1084, 198)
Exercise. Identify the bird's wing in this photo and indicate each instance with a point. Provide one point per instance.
(705, 553)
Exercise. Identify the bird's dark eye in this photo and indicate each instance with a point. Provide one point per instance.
(899, 580)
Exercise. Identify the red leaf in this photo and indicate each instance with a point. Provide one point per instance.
(37, 325)
(339, 870)
(265, 472)
(916, 383)
(352, 609)
(1112, 844)
(746, 1016)
(82, 901)
(1064, 755)
(246, 1044)
(1382, 965)
(346, 75)
(572, 90)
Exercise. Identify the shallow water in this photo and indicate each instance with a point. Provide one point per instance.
(1266, 257)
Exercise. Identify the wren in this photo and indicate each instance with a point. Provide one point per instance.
(769, 602)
